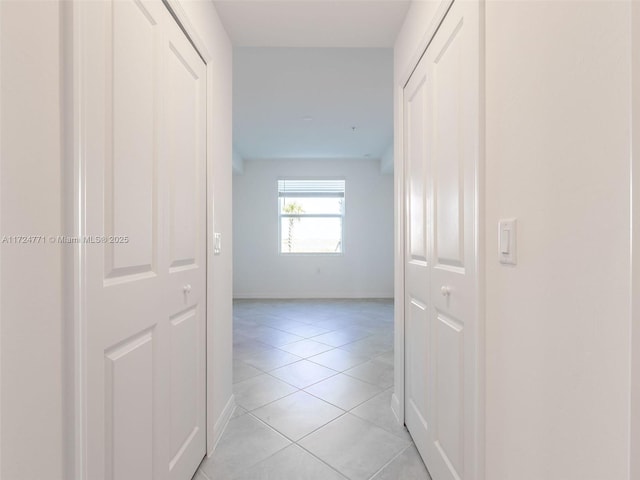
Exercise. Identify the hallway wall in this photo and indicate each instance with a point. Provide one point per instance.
(31, 275)
(35, 435)
(366, 267)
(558, 159)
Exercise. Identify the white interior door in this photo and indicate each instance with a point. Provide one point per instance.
(184, 136)
(442, 154)
(418, 198)
(143, 138)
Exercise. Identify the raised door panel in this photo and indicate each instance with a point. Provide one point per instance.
(185, 352)
(130, 206)
(449, 388)
(416, 175)
(416, 368)
(447, 151)
(129, 409)
(184, 94)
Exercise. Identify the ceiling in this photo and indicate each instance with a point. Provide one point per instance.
(312, 23)
(307, 71)
(305, 102)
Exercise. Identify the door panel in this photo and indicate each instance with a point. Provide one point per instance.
(417, 256)
(447, 282)
(448, 429)
(184, 381)
(184, 135)
(446, 152)
(182, 102)
(130, 166)
(129, 409)
(143, 136)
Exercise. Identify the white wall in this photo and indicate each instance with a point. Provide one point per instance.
(386, 161)
(31, 439)
(203, 17)
(366, 267)
(557, 158)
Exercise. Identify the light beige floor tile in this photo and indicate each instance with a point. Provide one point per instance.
(355, 448)
(245, 442)
(407, 466)
(243, 371)
(292, 463)
(378, 411)
(238, 411)
(298, 414)
(306, 348)
(260, 390)
(277, 338)
(338, 359)
(343, 391)
(270, 359)
(303, 373)
(306, 330)
(374, 371)
(341, 337)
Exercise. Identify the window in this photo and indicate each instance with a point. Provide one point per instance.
(311, 214)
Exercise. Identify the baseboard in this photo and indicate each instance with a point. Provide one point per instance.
(395, 408)
(312, 295)
(222, 422)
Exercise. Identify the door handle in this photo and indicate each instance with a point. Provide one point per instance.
(445, 290)
(186, 288)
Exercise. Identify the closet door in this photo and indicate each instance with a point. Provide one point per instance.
(443, 360)
(142, 154)
(184, 144)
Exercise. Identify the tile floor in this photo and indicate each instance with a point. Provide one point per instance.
(313, 382)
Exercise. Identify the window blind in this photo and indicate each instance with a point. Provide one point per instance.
(311, 188)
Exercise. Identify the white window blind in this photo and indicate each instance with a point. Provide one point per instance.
(311, 188)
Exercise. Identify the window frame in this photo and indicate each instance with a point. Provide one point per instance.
(311, 194)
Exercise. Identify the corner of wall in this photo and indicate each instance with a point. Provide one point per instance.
(386, 161)
(238, 163)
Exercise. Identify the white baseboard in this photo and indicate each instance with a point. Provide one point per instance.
(395, 408)
(222, 422)
(311, 295)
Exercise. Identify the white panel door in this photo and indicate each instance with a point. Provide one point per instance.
(184, 143)
(143, 148)
(449, 142)
(417, 255)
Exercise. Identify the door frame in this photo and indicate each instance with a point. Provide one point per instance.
(73, 54)
(634, 384)
(398, 397)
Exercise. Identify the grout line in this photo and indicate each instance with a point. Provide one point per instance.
(389, 462)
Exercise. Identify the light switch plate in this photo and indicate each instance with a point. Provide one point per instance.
(507, 241)
(217, 243)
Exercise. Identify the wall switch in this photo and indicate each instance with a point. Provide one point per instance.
(217, 243)
(507, 236)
